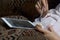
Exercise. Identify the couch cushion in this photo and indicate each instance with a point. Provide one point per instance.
(7, 33)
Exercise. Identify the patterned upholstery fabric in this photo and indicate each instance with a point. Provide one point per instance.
(26, 8)
(7, 33)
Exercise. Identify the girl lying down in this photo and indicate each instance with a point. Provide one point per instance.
(51, 18)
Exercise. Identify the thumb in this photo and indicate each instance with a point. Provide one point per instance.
(41, 29)
(50, 28)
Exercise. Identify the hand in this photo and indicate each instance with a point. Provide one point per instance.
(42, 7)
(45, 5)
(49, 34)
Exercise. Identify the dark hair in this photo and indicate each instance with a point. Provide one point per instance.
(25, 8)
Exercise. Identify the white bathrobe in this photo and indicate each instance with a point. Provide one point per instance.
(52, 18)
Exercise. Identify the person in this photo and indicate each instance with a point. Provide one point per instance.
(49, 17)
(50, 34)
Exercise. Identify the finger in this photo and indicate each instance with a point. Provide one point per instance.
(38, 9)
(39, 25)
(50, 28)
(39, 5)
(42, 30)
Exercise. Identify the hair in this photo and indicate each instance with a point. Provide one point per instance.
(19, 7)
(25, 8)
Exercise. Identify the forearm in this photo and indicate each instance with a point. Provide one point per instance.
(45, 3)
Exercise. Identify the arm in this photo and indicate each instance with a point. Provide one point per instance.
(45, 3)
(45, 7)
(50, 34)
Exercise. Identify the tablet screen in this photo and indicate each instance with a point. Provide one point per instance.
(16, 23)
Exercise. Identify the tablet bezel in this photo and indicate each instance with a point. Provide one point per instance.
(11, 26)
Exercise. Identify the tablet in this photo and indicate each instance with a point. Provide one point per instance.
(18, 23)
